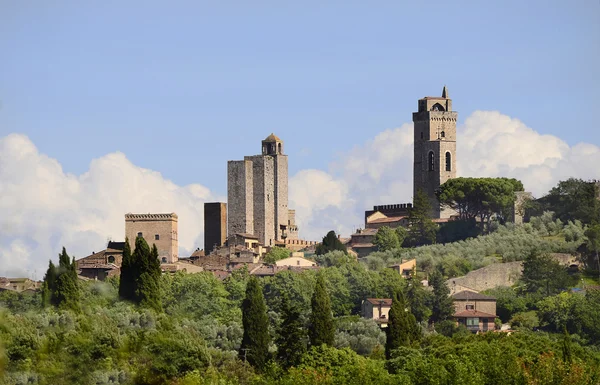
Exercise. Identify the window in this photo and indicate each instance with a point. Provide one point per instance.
(472, 321)
(448, 162)
(443, 134)
(156, 237)
(164, 260)
(140, 235)
(470, 307)
(111, 259)
(421, 135)
(279, 145)
(298, 263)
(431, 161)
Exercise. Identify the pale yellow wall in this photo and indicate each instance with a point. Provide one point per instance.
(295, 261)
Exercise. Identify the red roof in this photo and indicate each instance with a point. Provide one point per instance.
(387, 220)
(473, 313)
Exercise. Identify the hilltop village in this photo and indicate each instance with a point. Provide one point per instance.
(473, 282)
(257, 217)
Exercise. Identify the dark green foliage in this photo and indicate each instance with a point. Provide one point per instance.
(322, 328)
(592, 247)
(402, 327)
(276, 254)
(422, 230)
(508, 302)
(127, 280)
(542, 274)
(418, 300)
(291, 344)
(61, 287)
(480, 198)
(49, 284)
(386, 239)
(571, 200)
(140, 279)
(255, 341)
(458, 230)
(441, 302)
(330, 243)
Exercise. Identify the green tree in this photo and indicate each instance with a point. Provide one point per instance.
(418, 299)
(255, 341)
(402, 326)
(127, 280)
(330, 242)
(386, 239)
(49, 284)
(322, 328)
(276, 254)
(402, 234)
(61, 286)
(479, 198)
(441, 302)
(291, 344)
(421, 230)
(573, 199)
(593, 244)
(543, 274)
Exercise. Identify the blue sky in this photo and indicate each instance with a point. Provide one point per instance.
(183, 86)
(108, 107)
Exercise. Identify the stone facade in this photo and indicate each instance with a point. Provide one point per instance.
(257, 193)
(518, 212)
(388, 211)
(434, 148)
(215, 225)
(377, 309)
(158, 229)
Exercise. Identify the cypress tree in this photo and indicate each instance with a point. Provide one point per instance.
(402, 327)
(322, 328)
(291, 344)
(441, 307)
(49, 284)
(65, 293)
(255, 341)
(148, 290)
(126, 280)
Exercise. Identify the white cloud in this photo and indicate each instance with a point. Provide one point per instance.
(43, 208)
(489, 144)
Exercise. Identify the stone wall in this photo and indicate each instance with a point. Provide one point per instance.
(488, 277)
(215, 225)
(158, 229)
(240, 197)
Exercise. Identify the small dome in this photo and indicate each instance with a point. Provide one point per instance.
(272, 138)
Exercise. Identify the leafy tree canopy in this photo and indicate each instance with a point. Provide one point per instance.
(480, 198)
(276, 254)
(571, 200)
(330, 242)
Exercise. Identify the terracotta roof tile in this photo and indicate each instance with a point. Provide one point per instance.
(473, 313)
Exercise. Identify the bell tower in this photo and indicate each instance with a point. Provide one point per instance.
(434, 147)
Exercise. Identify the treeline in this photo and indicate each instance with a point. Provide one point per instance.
(290, 328)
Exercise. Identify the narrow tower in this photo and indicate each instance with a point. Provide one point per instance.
(434, 147)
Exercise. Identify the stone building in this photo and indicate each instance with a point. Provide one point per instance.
(377, 309)
(257, 194)
(215, 225)
(475, 311)
(158, 229)
(434, 148)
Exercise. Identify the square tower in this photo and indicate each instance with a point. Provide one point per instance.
(434, 148)
(257, 193)
(158, 229)
(215, 225)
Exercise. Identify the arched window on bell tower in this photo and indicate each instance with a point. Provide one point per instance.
(448, 161)
(431, 161)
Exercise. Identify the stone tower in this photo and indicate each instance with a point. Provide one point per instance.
(215, 225)
(434, 147)
(257, 193)
(158, 229)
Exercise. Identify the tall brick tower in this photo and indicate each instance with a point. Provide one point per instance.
(257, 193)
(435, 147)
